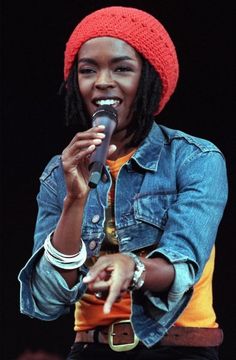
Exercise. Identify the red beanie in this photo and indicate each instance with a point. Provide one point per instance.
(140, 30)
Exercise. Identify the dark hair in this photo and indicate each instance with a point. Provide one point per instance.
(146, 103)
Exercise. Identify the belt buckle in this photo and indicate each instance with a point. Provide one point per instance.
(120, 347)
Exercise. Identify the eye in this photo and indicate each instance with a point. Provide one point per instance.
(86, 71)
(123, 69)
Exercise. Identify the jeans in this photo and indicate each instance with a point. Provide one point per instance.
(95, 351)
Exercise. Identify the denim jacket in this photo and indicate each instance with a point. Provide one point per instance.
(170, 197)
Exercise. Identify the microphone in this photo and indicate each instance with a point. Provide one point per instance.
(104, 115)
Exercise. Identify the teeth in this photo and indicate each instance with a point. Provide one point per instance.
(107, 102)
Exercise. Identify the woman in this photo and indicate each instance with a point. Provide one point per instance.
(135, 252)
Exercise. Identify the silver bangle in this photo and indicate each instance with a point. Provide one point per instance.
(64, 261)
(138, 277)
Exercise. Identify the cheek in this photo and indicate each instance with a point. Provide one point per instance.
(132, 88)
(84, 87)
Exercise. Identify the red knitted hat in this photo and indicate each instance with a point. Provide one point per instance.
(140, 30)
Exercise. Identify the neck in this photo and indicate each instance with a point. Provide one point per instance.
(122, 147)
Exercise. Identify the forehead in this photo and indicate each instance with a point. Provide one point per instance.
(110, 45)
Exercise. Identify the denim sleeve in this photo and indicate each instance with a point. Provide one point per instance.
(44, 293)
(193, 220)
(188, 238)
(51, 293)
(184, 279)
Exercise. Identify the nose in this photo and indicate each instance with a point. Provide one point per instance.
(104, 80)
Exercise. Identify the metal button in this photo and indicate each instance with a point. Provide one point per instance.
(95, 219)
(104, 178)
(92, 245)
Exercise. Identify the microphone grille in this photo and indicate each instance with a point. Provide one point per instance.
(106, 110)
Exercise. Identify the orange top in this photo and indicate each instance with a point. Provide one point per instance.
(89, 310)
(199, 311)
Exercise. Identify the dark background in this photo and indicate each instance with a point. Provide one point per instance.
(33, 35)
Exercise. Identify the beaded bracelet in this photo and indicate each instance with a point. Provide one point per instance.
(64, 261)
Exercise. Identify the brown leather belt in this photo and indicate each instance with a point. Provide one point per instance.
(120, 336)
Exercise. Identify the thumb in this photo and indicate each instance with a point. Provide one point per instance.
(111, 150)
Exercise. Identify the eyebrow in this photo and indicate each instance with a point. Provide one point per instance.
(113, 60)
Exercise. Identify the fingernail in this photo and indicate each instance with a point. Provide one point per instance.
(91, 147)
(87, 277)
(101, 126)
(101, 135)
(106, 309)
(97, 141)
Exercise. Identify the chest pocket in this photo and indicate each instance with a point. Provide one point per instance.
(153, 208)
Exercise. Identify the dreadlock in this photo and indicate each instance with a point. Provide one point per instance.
(147, 97)
(75, 111)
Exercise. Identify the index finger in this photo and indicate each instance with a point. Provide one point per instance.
(85, 135)
(114, 293)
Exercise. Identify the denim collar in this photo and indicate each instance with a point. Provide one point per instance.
(148, 154)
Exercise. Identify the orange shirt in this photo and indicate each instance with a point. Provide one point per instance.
(89, 309)
(199, 311)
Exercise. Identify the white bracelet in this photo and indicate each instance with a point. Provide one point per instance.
(63, 261)
(57, 254)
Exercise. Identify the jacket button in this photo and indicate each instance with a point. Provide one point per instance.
(95, 219)
(104, 178)
(92, 245)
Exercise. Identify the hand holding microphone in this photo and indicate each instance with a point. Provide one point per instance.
(105, 115)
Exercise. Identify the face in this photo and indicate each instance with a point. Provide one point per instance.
(108, 74)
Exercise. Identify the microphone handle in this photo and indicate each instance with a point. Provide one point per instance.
(95, 174)
(100, 153)
(99, 156)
